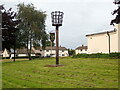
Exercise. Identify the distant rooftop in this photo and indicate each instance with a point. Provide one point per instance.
(49, 48)
(82, 47)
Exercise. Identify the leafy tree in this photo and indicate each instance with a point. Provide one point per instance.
(32, 28)
(71, 52)
(9, 29)
(117, 12)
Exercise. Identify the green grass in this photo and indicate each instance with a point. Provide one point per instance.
(76, 73)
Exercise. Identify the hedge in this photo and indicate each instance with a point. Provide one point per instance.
(98, 55)
(33, 57)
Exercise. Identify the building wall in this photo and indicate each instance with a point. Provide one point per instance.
(5, 53)
(113, 42)
(22, 55)
(119, 39)
(53, 52)
(100, 43)
(77, 51)
(117, 26)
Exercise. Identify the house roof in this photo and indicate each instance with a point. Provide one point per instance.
(54, 48)
(102, 33)
(22, 51)
(49, 48)
(37, 48)
(82, 47)
(37, 51)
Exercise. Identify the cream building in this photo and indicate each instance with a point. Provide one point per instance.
(5, 53)
(81, 50)
(51, 51)
(104, 42)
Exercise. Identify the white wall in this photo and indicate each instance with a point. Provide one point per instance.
(47, 53)
(113, 42)
(5, 53)
(22, 55)
(77, 51)
(117, 26)
(100, 43)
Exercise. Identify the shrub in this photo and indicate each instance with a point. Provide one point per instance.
(33, 57)
(114, 55)
(98, 55)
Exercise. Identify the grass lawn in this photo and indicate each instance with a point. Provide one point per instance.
(76, 73)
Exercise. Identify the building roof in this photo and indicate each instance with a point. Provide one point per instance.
(22, 51)
(54, 48)
(37, 51)
(82, 47)
(49, 48)
(102, 33)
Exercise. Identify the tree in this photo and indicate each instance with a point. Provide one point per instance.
(71, 52)
(9, 23)
(117, 18)
(32, 28)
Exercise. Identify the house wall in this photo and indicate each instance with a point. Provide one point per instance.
(77, 51)
(5, 53)
(100, 43)
(61, 53)
(22, 55)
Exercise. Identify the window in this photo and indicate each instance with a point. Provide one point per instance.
(85, 49)
(81, 49)
(47, 50)
(62, 50)
(63, 55)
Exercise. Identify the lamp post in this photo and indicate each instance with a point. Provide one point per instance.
(57, 19)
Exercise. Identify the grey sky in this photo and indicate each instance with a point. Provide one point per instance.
(81, 17)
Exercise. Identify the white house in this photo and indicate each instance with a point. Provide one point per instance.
(81, 50)
(51, 51)
(5, 53)
(104, 42)
(21, 52)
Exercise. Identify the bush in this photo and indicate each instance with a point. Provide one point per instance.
(33, 57)
(5, 57)
(98, 55)
(114, 55)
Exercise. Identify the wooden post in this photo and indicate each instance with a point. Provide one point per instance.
(57, 45)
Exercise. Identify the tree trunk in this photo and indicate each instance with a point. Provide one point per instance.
(14, 44)
(30, 45)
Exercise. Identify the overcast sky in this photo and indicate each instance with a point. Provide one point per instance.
(81, 17)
